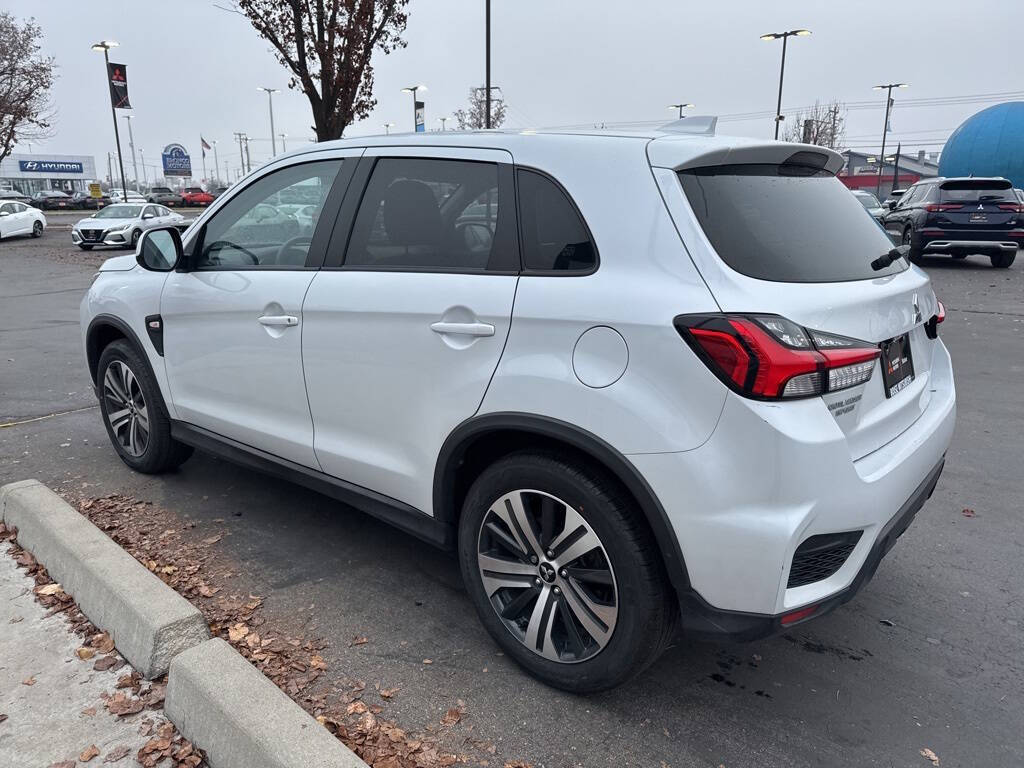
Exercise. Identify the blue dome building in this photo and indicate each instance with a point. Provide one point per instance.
(990, 143)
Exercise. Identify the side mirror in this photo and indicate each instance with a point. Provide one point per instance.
(5, 213)
(147, 216)
(159, 249)
(891, 204)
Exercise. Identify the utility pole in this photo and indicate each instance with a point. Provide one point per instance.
(105, 46)
(145, 181)
(241, 154)
(885, 129)
(270, 103)
(216, 161)
(487, 76)
(131, 146)
(248, 159)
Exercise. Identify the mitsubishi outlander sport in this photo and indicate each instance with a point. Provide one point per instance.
(639, 383)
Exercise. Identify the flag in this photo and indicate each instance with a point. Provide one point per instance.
(205, 146)
(117, 74)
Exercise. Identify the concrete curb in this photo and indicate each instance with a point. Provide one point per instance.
(149, 622)
(226, 706)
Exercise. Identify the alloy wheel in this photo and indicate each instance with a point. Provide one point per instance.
(547, 576)
(126, 408)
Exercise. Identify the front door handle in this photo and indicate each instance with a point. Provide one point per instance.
(285, 320)
(463, 329)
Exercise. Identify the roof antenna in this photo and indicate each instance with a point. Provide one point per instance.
(696, 125)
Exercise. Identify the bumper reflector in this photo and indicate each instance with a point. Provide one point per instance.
(794, 616)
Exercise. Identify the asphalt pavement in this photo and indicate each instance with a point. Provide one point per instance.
(927, 657)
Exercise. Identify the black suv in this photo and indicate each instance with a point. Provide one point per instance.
(958, 217)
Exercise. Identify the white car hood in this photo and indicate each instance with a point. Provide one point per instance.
(119, 263)
(94, 223)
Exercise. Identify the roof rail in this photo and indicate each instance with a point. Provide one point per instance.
(698, 125)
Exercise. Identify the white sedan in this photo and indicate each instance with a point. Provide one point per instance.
(121, 224)
(20, 219)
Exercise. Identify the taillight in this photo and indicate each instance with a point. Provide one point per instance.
(768, 357)
(1015, 207)
(937, 207)
(931, 328)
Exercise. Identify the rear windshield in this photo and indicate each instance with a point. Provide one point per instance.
(786, 223)
(975, 190)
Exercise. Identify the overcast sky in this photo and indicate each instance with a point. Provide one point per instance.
(194, 69)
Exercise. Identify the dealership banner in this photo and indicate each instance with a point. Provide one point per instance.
(421, 117)
(176, 161)
(118, 76)
(49, 166)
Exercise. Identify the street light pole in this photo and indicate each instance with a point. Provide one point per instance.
(782, 70)
(487, 83)
(105, 46)
(270, 103)
(387, 128)
(885, 129)
(680, 107)
(145, 181)
(443, 121)
(283, 136)
(216, 160)
(131, 146)
(413, 89)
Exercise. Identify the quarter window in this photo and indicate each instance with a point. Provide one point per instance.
(554, 237)
(429, 214)
(258, 227)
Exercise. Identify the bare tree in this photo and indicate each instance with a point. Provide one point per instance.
(473, 118)
(327, 46)
(822, 124)
(25, 81)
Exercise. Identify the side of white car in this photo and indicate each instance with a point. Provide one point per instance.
(20, 219)
(634, 380)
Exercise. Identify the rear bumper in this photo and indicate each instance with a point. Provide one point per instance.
(772, 476)
(701, 619)
(940, 245)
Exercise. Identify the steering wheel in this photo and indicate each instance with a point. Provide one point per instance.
(289, 244)
(222, 244)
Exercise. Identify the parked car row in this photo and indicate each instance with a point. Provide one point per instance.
(56, 200)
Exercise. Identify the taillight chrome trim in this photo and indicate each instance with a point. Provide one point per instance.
(807, 369)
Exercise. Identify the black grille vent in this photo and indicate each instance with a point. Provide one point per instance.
(821, 556)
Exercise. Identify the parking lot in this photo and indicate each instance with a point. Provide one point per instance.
(926, 657)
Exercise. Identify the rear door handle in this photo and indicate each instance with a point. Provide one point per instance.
(286, 320)
(463, 329)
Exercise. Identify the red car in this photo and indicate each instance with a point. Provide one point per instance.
(195, 196)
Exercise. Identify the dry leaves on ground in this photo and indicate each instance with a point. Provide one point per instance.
(89, 753)
(117, 753)
(927, 754)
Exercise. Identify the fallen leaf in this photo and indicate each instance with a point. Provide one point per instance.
(212, 539)
(317, 662)
(927, 754)
(105, 663)
(968, 513)
(29, 680)
(48, 590)
(452, 716)
(121, 705)
(237, 632)
(2, 717)
(89, 753)
(387, 693)
(357, 640)
(428, 661)
(89, 711)
(208, 591)
(17, 619)
(102, 642)
(85, 652)
(118, 753)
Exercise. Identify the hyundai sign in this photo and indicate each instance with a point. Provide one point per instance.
(176, 161)
(49, 166)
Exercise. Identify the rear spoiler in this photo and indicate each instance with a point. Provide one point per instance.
(997, 183)
(677, 154)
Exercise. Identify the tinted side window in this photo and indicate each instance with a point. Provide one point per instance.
(554, 237)
(419, 213)
(254, 227)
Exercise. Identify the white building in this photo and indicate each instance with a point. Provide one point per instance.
(34, 173)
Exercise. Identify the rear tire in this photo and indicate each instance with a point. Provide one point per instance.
(599, 614)
(915, 249)
(135, 239)
(134, 413)
(1003, 260)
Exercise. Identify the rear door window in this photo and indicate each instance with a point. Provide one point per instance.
(786, 223)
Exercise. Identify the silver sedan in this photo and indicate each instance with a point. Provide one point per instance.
(121, 224)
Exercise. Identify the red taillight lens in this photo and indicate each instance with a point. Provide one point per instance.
(768, 357)
(940, 313)
(1015, 207)
(938, 207)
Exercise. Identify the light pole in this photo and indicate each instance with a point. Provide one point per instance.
(443, 121)
(782, 70)
(885, 128)
(413, 89)
(216, 160)
(131, 146)
(270, 103)
(145, 181)
(387, 128)
(283, 136)
(680, 107)
(487, 67)
(105, 46)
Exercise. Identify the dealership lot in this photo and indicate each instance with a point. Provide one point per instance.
(926, 657)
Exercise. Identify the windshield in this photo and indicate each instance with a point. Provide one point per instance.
(868, 200)
(787, 223)
(119, 212)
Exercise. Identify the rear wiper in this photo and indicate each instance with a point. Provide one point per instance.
(883, 261)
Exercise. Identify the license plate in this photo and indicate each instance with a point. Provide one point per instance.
(977, 218)
(897, 364)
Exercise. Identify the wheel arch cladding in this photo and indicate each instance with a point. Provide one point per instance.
(478, 442)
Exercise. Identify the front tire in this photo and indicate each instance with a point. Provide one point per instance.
(563, 571)
(135, 239)
(37, 229)
(1003, 260)
(134, 412)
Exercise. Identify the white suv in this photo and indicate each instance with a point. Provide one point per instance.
(637, 382)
